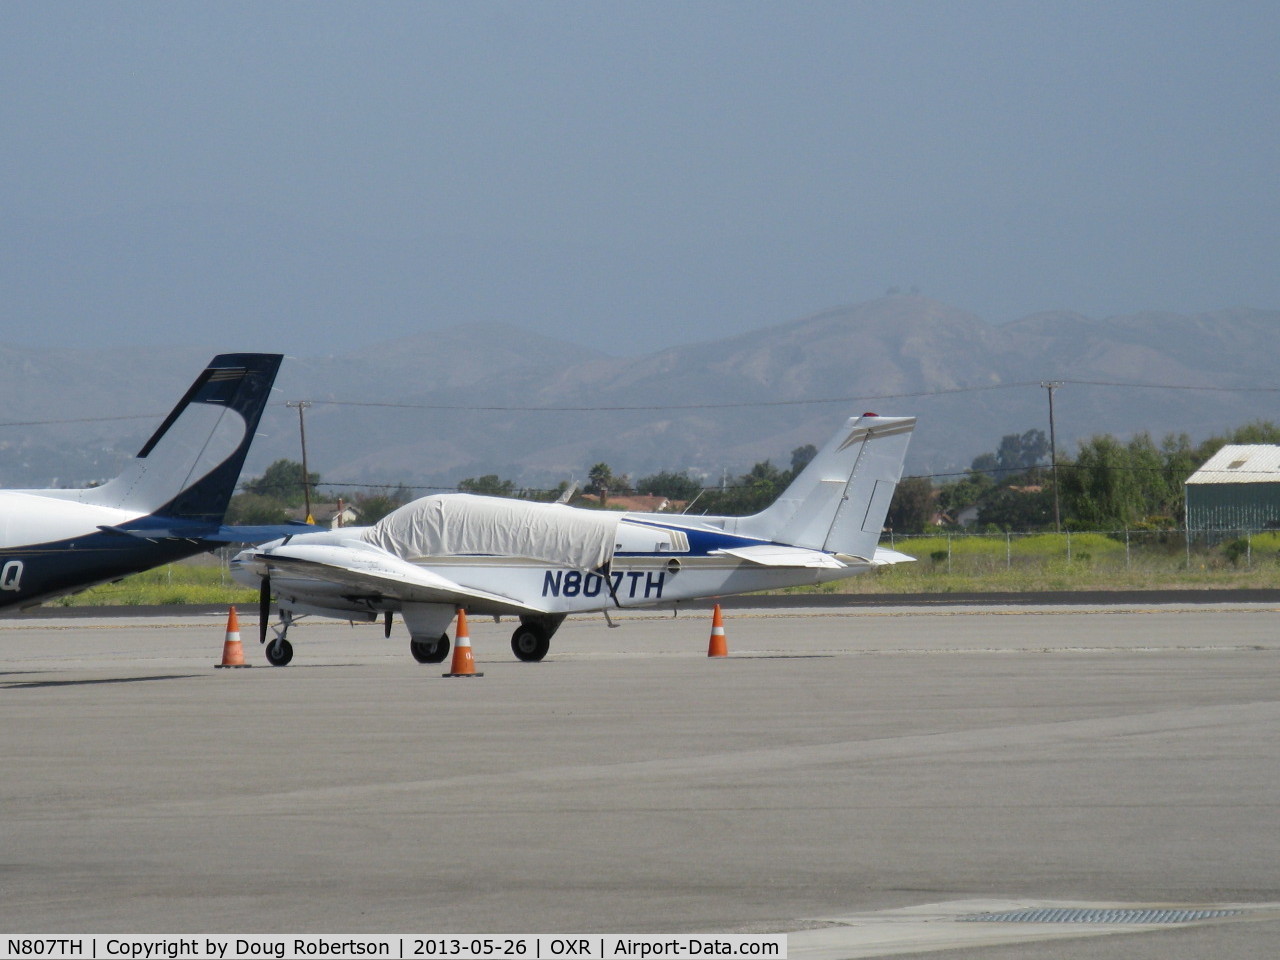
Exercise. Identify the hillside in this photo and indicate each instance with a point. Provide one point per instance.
(410, 410)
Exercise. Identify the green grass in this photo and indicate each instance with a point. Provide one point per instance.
(964, 564)
(174, 583)
(1083, 561)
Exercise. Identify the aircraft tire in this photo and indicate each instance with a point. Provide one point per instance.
(529, 643)
(426, 651)
(279, 652)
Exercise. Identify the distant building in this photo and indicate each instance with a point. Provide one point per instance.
(1238, 489)
(332, 515)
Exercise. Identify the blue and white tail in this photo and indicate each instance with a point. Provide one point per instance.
(189, 468)
(839, 501)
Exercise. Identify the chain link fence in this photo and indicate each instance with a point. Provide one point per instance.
(978, 554)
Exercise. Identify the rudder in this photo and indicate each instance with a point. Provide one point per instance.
(859, 520)
(839, 501)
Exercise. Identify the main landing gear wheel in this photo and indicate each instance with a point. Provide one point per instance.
(430, 651)
(279, 652)
(530, 643)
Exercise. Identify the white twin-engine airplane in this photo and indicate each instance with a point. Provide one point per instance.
(168, 503)
(540, 562)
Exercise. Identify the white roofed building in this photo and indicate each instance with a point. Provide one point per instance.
(1236, 491)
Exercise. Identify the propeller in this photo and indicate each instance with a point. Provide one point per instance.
(264, 608)
(386, 624)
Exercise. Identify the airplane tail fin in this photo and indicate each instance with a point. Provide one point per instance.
(189, 468)
(839, 501)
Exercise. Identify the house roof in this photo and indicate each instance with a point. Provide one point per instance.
(1241, 463)
(635, 502)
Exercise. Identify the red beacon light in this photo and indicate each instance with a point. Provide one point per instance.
(871, 414)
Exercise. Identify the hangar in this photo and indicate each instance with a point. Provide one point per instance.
(1237, 490)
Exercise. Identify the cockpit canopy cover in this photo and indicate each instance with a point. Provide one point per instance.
(464, 525)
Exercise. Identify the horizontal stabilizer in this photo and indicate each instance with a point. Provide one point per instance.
(158, 528)
(885, 556)
(261, 533)
(776, 555)
(161, 531)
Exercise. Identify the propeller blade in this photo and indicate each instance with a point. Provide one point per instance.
(264, 608)
(386, 624)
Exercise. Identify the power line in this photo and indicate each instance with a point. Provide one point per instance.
(1012, 385)
(41, 423)
(620, 408)
(673, 406)
(1171, 386)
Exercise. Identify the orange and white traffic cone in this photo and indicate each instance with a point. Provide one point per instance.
(463, 664)
(232, 652)
(718, 647)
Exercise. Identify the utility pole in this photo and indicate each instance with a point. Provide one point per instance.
(1052, 385)
(306, 475)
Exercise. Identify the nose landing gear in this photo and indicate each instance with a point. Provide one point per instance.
(280, 651)
(429, 651)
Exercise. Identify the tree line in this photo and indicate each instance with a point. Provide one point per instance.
(280, 492)
(1107, 484)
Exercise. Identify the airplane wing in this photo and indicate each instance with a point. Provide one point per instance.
(381, 574)
(778, 555)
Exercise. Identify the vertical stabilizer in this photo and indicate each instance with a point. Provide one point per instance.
(190, 466)
(839, 501)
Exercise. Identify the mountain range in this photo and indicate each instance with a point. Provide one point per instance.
(434, 408)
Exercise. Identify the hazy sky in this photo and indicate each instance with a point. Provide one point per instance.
(308, 176)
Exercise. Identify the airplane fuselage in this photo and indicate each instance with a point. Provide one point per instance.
(657, 562)
(51, 546)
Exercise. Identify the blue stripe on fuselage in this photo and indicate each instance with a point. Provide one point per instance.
(701, 540)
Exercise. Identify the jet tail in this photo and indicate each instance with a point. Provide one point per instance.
(189, 468)
(839, 501)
